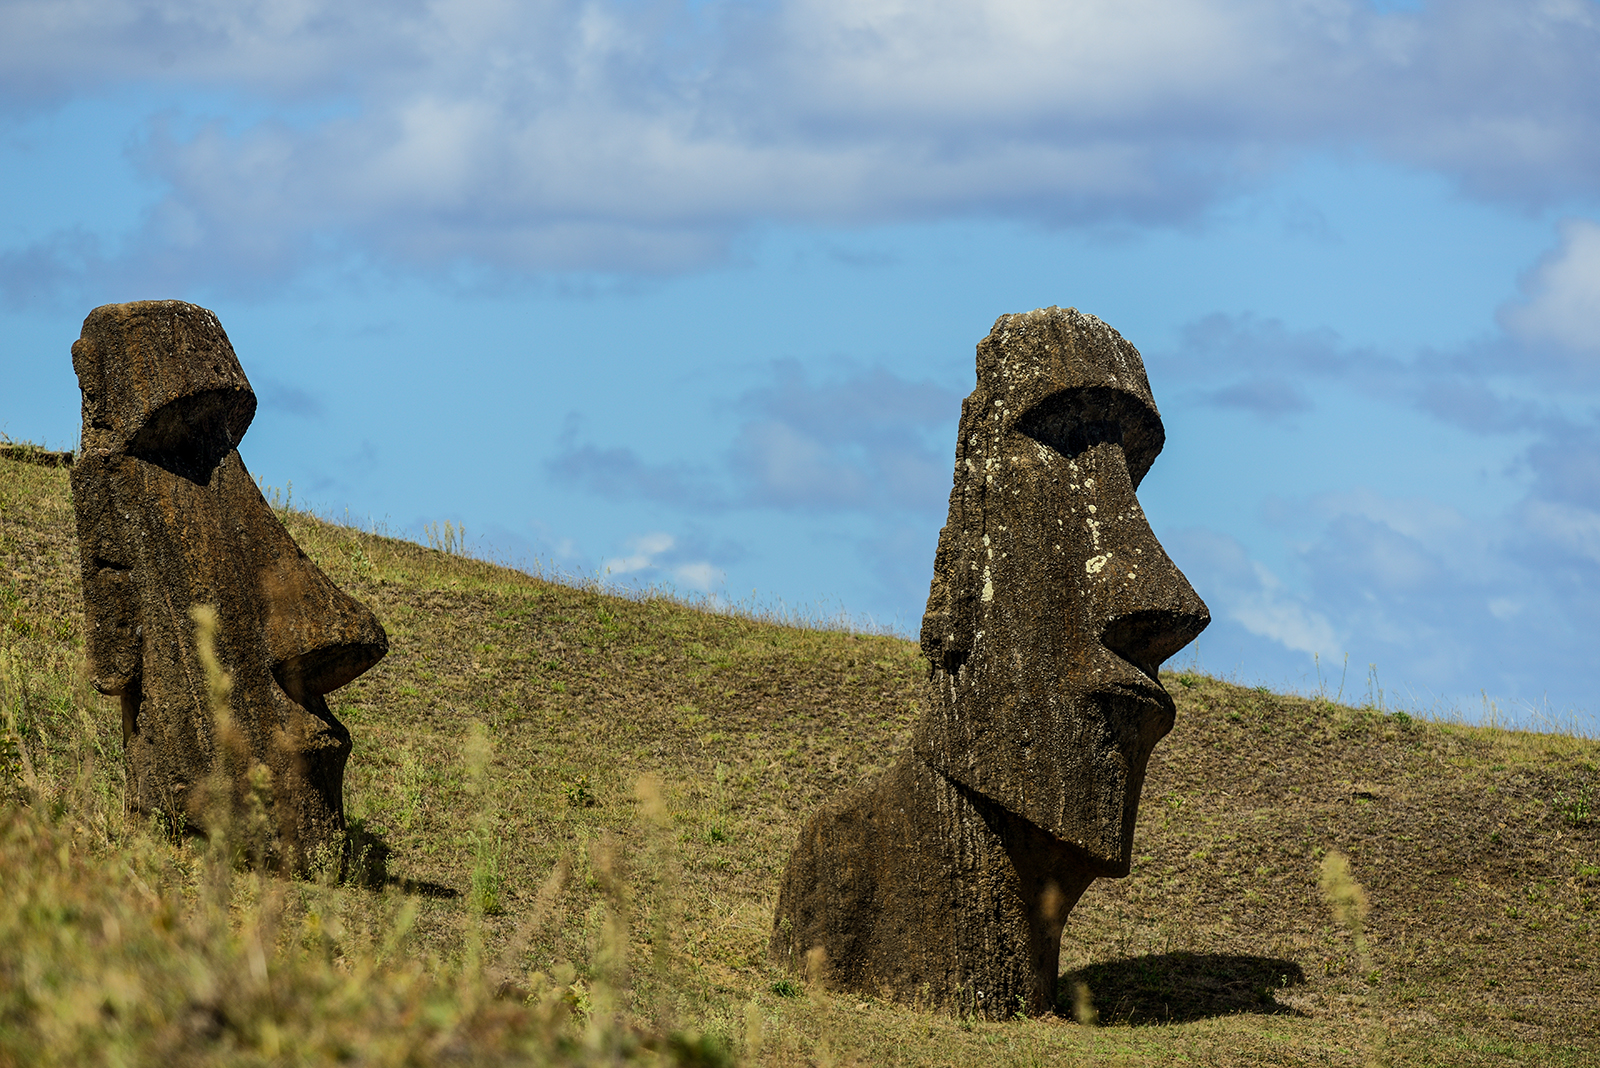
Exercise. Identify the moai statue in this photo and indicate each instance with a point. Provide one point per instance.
(947, 882)
(168, 518)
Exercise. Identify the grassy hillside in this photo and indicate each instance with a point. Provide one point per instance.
(587, 802)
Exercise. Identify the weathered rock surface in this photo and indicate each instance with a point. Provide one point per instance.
(948, 881)
(168, 518)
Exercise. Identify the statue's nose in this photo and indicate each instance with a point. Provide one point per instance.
(318, 637)
(1148, 607)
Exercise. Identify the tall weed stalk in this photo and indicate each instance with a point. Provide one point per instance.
(1348, 900)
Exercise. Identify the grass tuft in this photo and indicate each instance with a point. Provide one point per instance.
(1576, 807)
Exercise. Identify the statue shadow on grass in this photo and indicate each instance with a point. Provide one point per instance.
(1165, 988)
(366, 864)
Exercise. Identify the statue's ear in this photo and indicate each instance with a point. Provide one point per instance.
(112, 637)
(936, 622)
(947, 622)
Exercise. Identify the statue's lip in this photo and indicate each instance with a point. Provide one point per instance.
(1156, 708)
(1134, 681)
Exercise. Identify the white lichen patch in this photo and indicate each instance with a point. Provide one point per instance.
(988, 586)
(1093, 566)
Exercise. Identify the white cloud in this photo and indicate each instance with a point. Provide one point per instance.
(790, 466)
(1562, 294)
(1451, 540)
(1246, 591)
(654, 552)
(643, 136)
(1574, 529)
(1504, 608)
(700, 576)
(1272, 612)
(643, 552)
(870, 441)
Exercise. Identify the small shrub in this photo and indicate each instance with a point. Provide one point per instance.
(1576, 809)
(579, 793)
(360, 563)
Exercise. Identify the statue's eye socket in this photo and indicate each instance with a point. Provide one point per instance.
(1072, 436)
(191, 435)
(1073, 421)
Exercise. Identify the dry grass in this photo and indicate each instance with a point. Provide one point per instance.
(587, 802)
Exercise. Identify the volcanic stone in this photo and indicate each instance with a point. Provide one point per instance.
(168, 518)
(949, 880)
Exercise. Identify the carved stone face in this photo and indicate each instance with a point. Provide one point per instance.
(1053, 604)
(169, 518)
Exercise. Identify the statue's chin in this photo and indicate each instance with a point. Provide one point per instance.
(1133, 715)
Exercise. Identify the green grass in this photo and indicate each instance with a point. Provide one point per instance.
(578, 807)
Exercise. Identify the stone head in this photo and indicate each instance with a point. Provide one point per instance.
(1052, 604)
(168, 518)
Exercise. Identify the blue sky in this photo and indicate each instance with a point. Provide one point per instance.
(687, 293)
